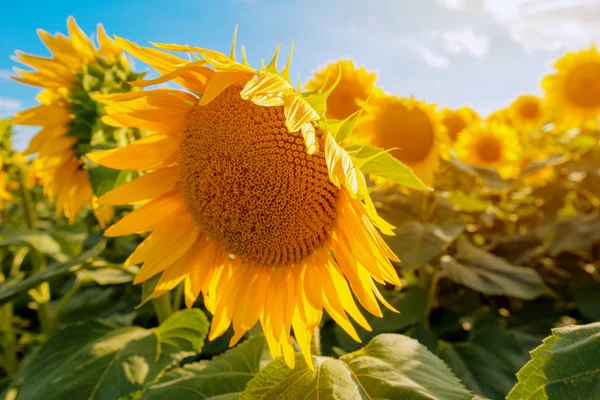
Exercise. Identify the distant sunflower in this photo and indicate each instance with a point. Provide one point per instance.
(542, 176)
(410, 127)
(67, 114)
(456, 121)
(501, 116)
(354, 87)
(491, 145)
(573, 92)
(248, 200)
(526, 113)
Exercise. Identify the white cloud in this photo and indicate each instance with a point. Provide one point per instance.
(466, 41)
(549, 24)
(9, 106)
(432, 59)
(451, 4)
(5, 74)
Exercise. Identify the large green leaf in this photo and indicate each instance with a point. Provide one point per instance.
(410, 303)
(487, 362)
(418, 244)
(223, 377)
(577, 233)
(390, 367)
(39, 240)
(566, 366)
(97, 360)
(372, 160)
(492, 275)
(7, 293)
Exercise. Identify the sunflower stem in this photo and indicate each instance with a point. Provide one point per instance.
(162, 307)
(9, 340)
(433, 289)
(315, 343)
(38, 263)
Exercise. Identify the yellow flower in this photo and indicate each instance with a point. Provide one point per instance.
(248, 200)
(527, 113)
(573, 92)
(501, 116)
(456, 121)
(412, 128)
(66, 114)
(354, 87)
(540, 177)
(491, 145)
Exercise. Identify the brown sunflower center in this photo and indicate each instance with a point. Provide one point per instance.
(530, 109)
(250, 184)
(410, 131)
(489, 149)
(454, 124)
(582, 85)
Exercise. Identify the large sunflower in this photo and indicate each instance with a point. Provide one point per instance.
(348, 96)
(526, 113)
(67, 114)
(573, 92)
(456, 121)
(491, 145)
(411, 128)
(249, 201)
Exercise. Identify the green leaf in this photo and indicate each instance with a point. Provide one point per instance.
(372, 160)
(468, 202)
(41, 241)
(489, 176)
(492, 275)
(390, 367)
(102, 179)
(147, 289)
(411, 304)
(342, 129)
(95, 360)
(487, 362)
(185, 329)
(565, 366)
(417, 244)
(8, 293)
(577, 233)
(223, 377)
(109, 276)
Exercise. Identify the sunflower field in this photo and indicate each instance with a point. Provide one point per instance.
(229, 231)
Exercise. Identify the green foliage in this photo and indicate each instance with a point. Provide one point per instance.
(565, 366)
(99, 360)
(223, 377)
(491, 275)
(389, 367)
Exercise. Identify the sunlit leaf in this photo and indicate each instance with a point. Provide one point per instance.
(389, 367)
(492, 275)
(565, 366)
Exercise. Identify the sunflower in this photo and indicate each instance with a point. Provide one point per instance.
(573, 92)
(501, 116)
(350, 93)
(491, 145)
(67, 114)
(411, 128)
(456, 121)
(248, 199)
(542, 176)
(526, 113)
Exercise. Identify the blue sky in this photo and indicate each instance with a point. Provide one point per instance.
(481, 53)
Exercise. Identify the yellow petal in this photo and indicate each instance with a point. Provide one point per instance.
(148, 186)
(142, 154)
